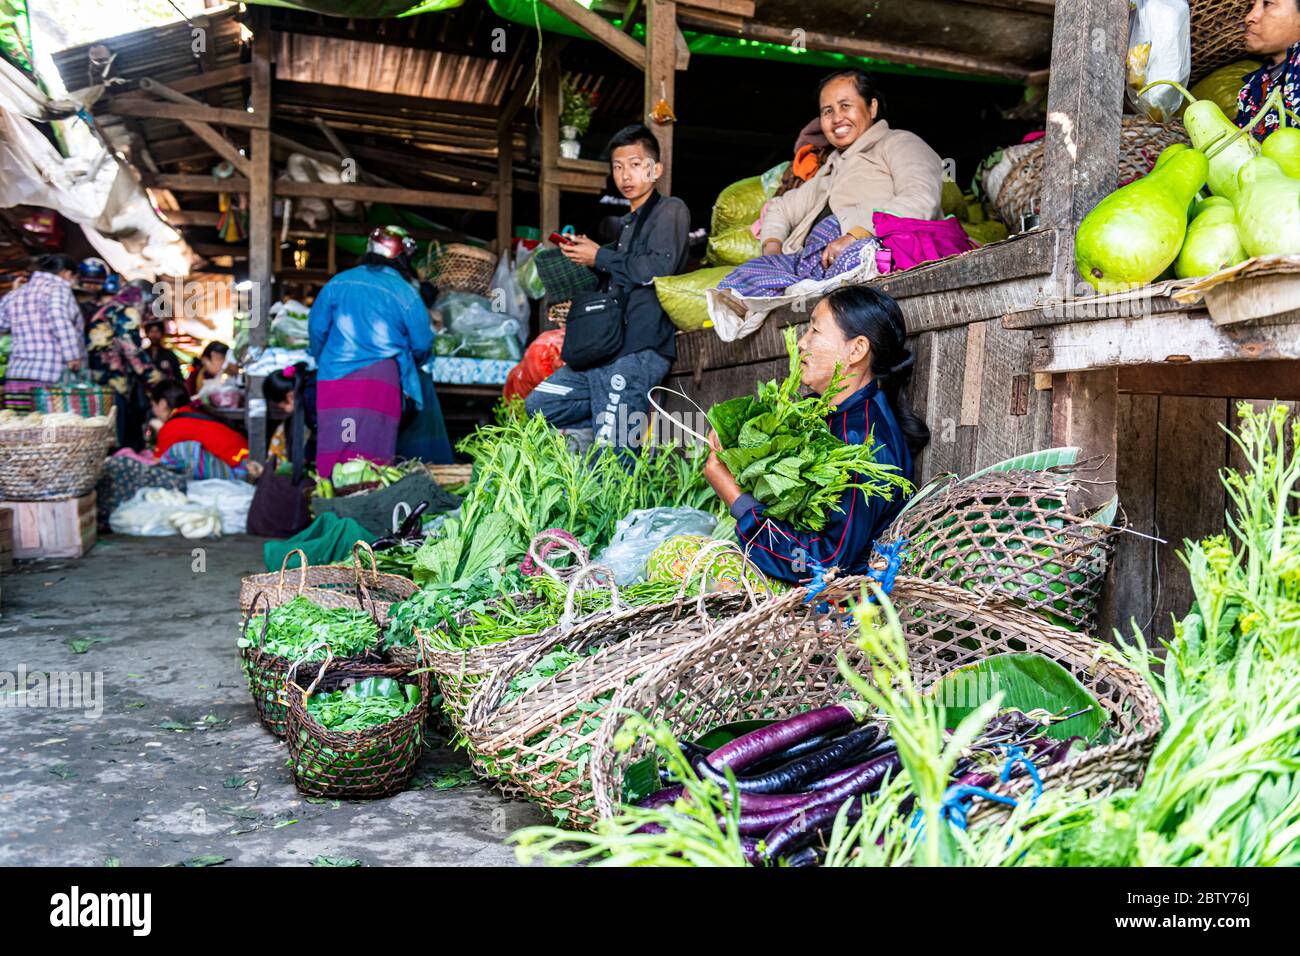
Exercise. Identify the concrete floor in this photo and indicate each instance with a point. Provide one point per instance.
(177, 767)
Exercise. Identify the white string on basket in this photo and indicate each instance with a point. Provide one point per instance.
(586, 571)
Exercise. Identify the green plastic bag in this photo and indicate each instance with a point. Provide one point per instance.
(529, 280)
(682, 297)
(734, 247)
(738, 205)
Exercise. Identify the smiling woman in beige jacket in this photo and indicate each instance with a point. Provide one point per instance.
(824, 227)
(874, 167)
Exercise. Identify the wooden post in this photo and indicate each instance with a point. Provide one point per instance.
(660, 76)
(1084, 103)
(505, 186)
(1085, 414)
(549, 93)
(261, 228)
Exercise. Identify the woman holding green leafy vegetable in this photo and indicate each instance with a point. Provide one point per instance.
(814, 482)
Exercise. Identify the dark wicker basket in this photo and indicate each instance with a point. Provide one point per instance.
(356, 764)
(267, 674)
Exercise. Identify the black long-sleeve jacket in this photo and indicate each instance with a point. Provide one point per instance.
(659, 250)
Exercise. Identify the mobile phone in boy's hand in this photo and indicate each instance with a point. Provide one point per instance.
(560, 239)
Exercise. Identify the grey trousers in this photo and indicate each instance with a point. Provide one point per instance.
(612, 400)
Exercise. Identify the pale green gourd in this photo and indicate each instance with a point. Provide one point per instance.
(1134, 234)
(1268, 209)
(1206, 127)
(1212, 241)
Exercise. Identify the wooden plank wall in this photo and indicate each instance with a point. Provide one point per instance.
(1170, 451)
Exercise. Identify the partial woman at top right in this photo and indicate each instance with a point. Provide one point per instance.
(1273, 35)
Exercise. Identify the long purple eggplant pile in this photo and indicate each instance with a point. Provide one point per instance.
(793, 776)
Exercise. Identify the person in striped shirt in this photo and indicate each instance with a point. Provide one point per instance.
(48, 332)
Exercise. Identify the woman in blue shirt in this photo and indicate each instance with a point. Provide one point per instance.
(861, 330)
(369, 332)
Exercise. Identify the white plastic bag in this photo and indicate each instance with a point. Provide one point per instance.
(637, 535)
(157, 512)
(507, 295)
(231, 500)
(1159, 48)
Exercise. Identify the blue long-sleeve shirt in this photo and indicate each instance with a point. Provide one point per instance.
(845, 542)
(365, 315)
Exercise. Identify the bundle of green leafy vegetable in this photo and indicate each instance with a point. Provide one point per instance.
(779, 449)
(364, 705)
(498, 609)
(300, 626)
(528, 479)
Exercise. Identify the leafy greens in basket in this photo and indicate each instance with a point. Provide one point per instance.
(300, 625)
(779, 449)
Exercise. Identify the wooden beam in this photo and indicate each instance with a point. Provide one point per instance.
(221, 145)
(601, 30)
(736, 8)
(387, 194)
(549, 191)
(1269, 380)
(149, 109)
(916, 55)
(505, 186)
(204, 81)
(661, 76)
(1085, 415)
(1084, 103)
(354, 191)
(683, 49)
(322, 94)
(191, 217)
(1178, 339)
(261, 211)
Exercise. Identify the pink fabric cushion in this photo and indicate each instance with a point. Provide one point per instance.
(911, 242)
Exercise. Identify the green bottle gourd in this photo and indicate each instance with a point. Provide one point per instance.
(1134, 234)
(1212, 241)
(1283, 147)
(1268, 209)
(1206, 126)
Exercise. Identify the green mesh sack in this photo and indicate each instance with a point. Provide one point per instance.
(734, 247)
(682, 297)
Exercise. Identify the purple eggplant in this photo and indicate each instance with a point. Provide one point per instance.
(870, 772)
(797, 773)
(808, 856)
(803, 828)
(795, 750)
(662, 797)
(748, 749)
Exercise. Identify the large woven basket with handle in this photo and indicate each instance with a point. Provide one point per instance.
(45, 457)
(536, 739)
(329, 585)
(1019, 192)
(1013, 536)
(781, 659)
(459, 671)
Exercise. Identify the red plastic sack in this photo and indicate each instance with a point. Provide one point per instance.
(541, 358)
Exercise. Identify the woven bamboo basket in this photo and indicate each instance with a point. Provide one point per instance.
(43, 459)
(330, 585)
(1218, 34)
(558, 312)
(450, 474)
(461, 267)
(353, 764)
(267, 674)
(458, 672)
(781, 659)
(1012, 536)
(540, 743)
(1020, 192)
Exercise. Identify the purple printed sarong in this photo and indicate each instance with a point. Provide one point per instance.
(358, 416)
(771, 275)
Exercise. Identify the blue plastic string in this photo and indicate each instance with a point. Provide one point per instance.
(893, 554)
(1017, 755)
(957, 800)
